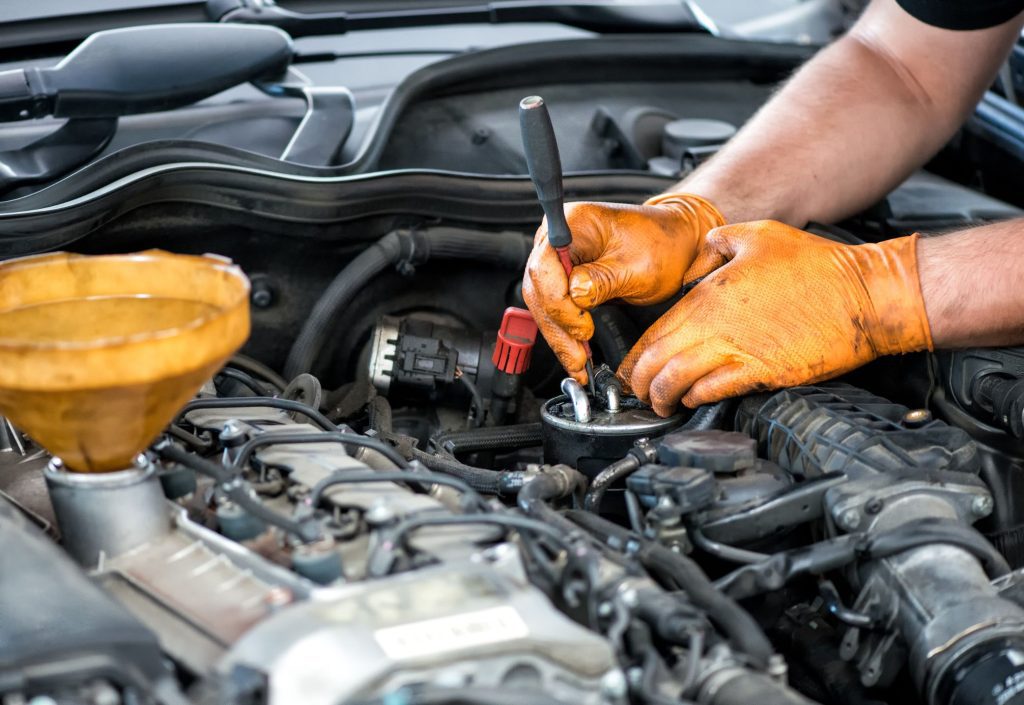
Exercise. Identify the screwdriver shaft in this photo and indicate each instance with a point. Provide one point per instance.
(545, 167)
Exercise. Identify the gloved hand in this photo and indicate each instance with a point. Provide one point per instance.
(640, 254)
(788, 308)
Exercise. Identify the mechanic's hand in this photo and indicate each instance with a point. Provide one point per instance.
(788, 308)
(640, 254)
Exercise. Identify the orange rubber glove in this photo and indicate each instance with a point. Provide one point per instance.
(640, 254)
(788, 308)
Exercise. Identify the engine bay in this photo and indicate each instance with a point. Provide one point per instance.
(392, 494)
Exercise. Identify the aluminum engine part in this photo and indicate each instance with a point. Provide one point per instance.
(471, 616)
(462, 623)
(106, 514)
(934, 602)
(199, 590)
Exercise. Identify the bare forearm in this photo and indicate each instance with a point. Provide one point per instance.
(834, 140)
(972, 283)
(853, 122)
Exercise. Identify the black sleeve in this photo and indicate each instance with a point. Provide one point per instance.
(963, 14)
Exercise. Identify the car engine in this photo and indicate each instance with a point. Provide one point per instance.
(392, 496)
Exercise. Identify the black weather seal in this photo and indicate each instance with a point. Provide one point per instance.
(602, 16)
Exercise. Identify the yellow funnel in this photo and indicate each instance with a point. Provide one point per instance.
(98, 353)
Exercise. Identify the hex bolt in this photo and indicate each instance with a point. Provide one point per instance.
(262, 294)
(981, 505)
(916, 418)
(614, 685)
(629, 597)
(777, 667)
(231, 432)
(874, 506)
(480, 135)
(379, 514)
(849, 519)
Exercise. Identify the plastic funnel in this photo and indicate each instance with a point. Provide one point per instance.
(98, 353)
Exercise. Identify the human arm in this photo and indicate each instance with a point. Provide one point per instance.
(855, 121)
(850, 125)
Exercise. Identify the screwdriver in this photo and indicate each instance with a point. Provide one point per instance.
(545, 167)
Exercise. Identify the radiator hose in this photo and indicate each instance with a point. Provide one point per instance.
(505, 249)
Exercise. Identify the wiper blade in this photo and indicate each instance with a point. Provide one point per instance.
(602, 16)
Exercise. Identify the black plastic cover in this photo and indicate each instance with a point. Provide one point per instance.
(144, 69)
(839, 428)
(56, 626)
(690, 489)
(714, 450)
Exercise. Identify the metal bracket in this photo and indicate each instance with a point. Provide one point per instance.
(804, 502)
(330, 114)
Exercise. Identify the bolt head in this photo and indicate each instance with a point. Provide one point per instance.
(379, 513)
(916, 418)
(849, 519)
(614, 684)
(982, 505)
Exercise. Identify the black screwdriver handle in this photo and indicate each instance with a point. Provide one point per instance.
(545, 167)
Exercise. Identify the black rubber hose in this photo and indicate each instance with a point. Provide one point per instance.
(366, 265)
(476, 414)
(614, 334)
(738, 626)
(502, 249)
(493, 438)
(268, 439)
(558, 482)
(606, 478)
(267, 402)
(777, 569)
(705, 417)
(255, 367)
(499, 482)
(245, 379)
(709, 416)
(348, 477)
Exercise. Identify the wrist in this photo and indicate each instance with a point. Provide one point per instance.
(899, 323)
(698, 212)
(690, 205)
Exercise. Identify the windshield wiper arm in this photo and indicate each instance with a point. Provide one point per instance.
(602, 16)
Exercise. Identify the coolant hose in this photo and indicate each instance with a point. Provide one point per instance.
(504, 249)
(738, 626)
